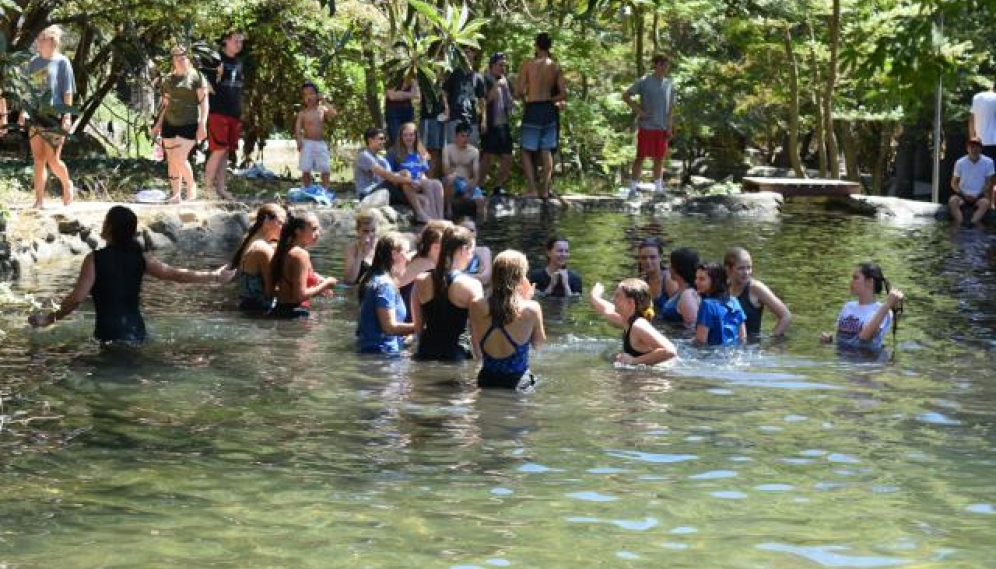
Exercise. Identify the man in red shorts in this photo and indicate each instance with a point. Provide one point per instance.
(654, 113)
(224, 119)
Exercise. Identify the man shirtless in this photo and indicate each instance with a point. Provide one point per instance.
(461, 166)
(538, 80)
(309, 130)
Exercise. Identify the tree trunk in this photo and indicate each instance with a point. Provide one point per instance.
(881, 156)
(793, 134)
(655, 32)
(638, 32)
(828, 131)
(817, 106)
(850, 145)
(94, 102)
(370, 74)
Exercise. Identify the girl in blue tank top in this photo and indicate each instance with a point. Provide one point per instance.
(720, 320)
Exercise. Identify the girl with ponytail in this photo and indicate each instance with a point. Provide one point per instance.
(381, 326)
(632, 310)
(441, 298)
(504, 327)
(721, 320)
(291, 273)
(862, 324)
(253, 256)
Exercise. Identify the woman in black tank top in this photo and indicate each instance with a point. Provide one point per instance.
(113, 276)
(753, 295)
(631, 309)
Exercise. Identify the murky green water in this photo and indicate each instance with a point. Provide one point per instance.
(230, 442)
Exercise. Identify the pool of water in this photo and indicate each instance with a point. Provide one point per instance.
(231, 442)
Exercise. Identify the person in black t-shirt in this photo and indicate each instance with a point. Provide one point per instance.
(227, 79)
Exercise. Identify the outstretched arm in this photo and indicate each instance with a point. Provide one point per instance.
(162, 271)
(84, 283)
(604, 307)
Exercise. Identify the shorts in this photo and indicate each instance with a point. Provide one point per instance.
(522, 381)
(461, 189)
(187, 131)
(497, 140)
(539, 126)
(475, 132)
(433, 134)
(224, 132)
(315, 157)
(396, 196)
(651, 143)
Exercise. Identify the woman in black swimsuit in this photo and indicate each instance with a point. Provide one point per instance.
(632, 311)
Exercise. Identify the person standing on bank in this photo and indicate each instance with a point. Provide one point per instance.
(224, 120)
(655, 118)
(538, 79)
(465, 92)
(496, 141)
(182, 121)
(982, 121)
(971, 183)
(50, 71)
(113, 276)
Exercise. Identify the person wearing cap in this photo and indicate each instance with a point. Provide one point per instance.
(227, 79)
(182, 121)
(971, 183)
(496, 141)
(655, 122)
(982, 121)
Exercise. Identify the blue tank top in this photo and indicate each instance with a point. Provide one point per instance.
(475, 265)
(515, 363)
(753, 313)
(251, 292)
(669, 310)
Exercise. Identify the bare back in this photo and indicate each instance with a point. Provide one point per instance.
(538, 78)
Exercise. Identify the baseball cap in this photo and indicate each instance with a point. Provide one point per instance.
(499, 56)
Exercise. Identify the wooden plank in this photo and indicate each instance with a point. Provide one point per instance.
(801, 187)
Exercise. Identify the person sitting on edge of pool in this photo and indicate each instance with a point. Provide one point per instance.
(253, 256)
(441, 299)
(504, 326)
(631, 309)
(649, 259)
(293, 278)
(752, 294)
(381, 326)
(682, 307)
(720, 321)
(555, 279)
(862, 324)
(113, 276)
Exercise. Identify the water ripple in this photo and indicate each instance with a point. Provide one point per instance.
(653, 457)
(827, 556)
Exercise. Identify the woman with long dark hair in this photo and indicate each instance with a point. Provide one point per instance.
(427, 246)
(113, 277)
(862, 324)
(653, 271)
(720, 321)
(253, 256)
(504, 326)
(381, 328)
(441, 299)
(682, 306)
(408, 157)
(293, 279)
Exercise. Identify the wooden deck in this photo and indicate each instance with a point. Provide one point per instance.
(801, 187)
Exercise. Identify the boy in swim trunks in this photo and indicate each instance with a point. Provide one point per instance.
(461, 162)
(309, 130)
(538, 79)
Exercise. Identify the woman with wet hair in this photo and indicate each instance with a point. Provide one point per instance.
(427, 247)
(653, 270)
(632, 310)
(441, 298)
(682, 306)
(753, 295)
(505, 326)
(113, 276)
(862, 324)
(293, 279)
(480, 263)
(720, 320)
(253, 256)
(381, 328)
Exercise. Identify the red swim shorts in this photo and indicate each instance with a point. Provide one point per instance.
(651, 143)
(223, 132)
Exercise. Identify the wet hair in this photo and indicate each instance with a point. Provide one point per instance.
(463, 128)
(734, 255)
(509, 268)
(287, 235)
(310, 85)
(454, 238)
(638, 291)
(431, 234)
(685, 261)
(400, 151)
(544, 41)
(372, 132)
(383, 259)
(266, 212)
(873, 271)
(121, 227)
(717, 276)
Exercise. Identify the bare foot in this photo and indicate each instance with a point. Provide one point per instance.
(39, 205)
(223, 195)
(175, 198)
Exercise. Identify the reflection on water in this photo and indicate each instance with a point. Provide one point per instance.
(235, 442)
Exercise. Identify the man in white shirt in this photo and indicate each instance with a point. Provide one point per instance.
(971, 183)
(982, 121)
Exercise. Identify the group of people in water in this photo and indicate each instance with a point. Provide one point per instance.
(448, 286)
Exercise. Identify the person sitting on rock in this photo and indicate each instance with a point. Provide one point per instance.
(372, 172)
(971, 184)
(461, 162)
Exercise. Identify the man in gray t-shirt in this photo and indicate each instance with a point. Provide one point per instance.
(654, 113)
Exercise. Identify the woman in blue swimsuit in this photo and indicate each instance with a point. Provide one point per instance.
(505, 326)
(682, 307)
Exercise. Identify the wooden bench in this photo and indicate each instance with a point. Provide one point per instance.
(801, 187)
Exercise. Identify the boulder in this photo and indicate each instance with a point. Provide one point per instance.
(895, 209)
(761, 204)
